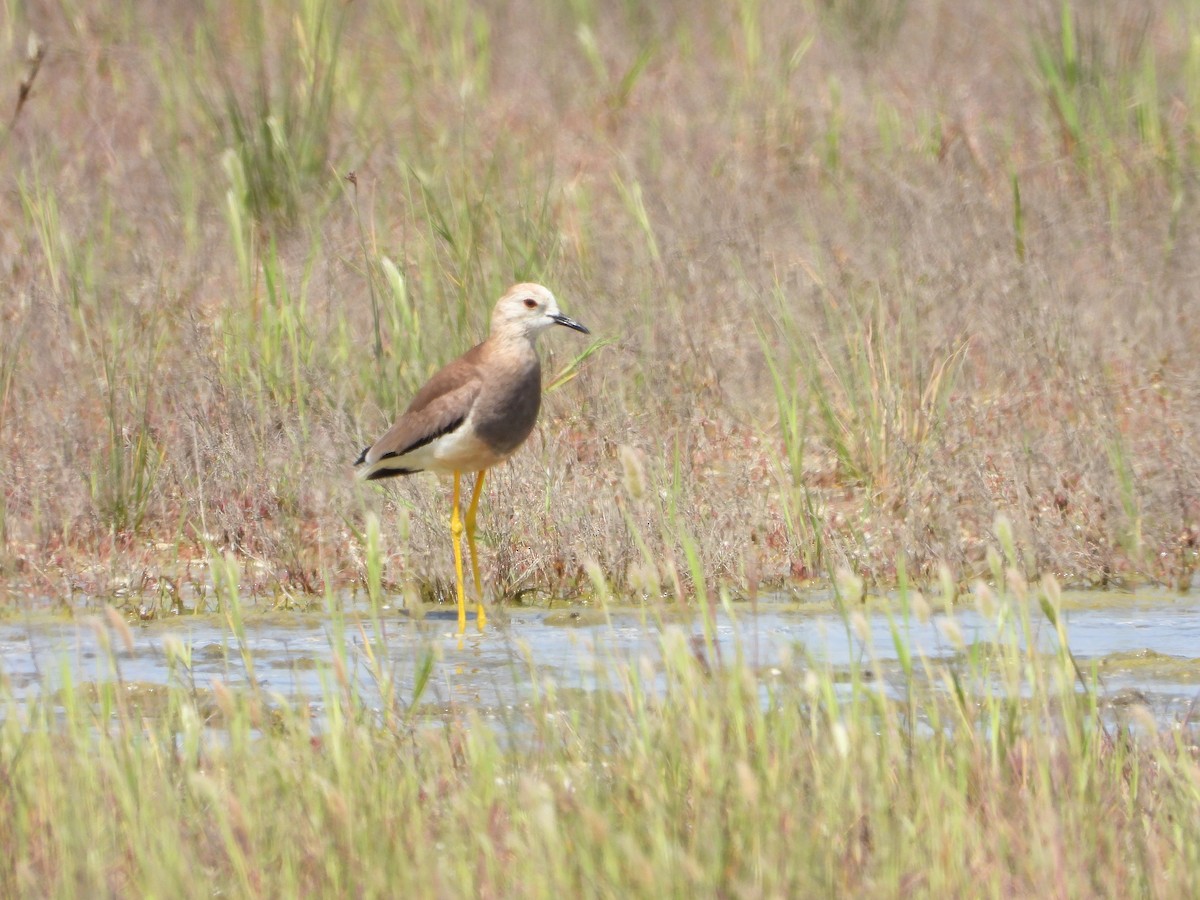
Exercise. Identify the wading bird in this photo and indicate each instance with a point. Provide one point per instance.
(473, 414)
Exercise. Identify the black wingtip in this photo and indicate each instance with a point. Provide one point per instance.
(362, 457)
(389, 473)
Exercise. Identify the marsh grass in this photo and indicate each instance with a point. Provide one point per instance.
(991, 769)
(1099, 73)
(844, 305)
(878, 399)
(123, 478)
(279, 125)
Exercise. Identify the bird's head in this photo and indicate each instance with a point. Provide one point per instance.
(526, 310)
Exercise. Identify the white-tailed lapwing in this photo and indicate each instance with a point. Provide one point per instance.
(473, 414)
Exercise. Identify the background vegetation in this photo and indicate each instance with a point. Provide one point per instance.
(861, 275)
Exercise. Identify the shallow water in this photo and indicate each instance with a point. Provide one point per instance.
(1144, 650)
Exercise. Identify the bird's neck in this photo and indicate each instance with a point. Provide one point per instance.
(519, 345)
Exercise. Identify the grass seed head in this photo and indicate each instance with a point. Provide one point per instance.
(633, 471)
(920, 606)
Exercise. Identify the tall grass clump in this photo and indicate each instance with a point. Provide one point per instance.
(865, 385)
(280, 121)
(270, 348)
(463, 36)
(66, 261)
(868, 26)
(795, 411)
(10, 358)
(10, 352)
(394, 368)
(124, 475)
(484, 227)
(1110, 92)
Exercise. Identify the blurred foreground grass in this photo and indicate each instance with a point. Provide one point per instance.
(993, 772)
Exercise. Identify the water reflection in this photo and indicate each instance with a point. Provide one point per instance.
(1147, 649)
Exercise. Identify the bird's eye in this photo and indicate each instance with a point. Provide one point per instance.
(530, 303)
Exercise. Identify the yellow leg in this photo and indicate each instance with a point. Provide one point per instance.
(456, 530)
(471, 510)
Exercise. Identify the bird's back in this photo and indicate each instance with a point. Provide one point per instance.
(450, 377)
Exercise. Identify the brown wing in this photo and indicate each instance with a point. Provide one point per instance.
(448, 379)
(440, 407)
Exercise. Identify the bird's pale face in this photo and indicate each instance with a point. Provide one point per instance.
(529, 309)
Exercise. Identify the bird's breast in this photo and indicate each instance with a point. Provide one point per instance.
(507, 410)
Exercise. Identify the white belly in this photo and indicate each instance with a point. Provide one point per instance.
(459, 451)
